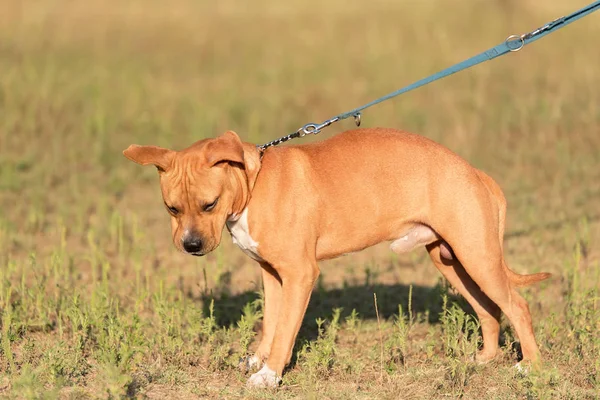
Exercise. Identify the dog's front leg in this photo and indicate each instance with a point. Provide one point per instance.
(272, 301)
(297, 282)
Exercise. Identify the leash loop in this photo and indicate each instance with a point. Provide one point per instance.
(512, 39)
(511, 44)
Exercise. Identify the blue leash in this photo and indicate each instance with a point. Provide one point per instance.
(511, 44)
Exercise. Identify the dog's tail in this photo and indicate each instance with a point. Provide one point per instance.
(516, 279)
(525, 280)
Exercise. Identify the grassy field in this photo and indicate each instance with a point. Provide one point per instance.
(95, 301)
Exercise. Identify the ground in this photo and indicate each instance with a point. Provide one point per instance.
(95, 301)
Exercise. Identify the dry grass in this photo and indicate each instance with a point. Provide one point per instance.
(95, 301)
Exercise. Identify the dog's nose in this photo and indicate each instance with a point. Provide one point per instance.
(192, 244)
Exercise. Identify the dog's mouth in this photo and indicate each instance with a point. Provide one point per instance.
(194, 253)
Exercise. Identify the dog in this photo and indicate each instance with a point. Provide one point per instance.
(289, 207)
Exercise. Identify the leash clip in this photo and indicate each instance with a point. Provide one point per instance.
(520, 39)
(309, 129)
(313, 129)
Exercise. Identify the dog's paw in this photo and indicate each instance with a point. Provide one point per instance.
(265, 378)
(249, 363)
(522, 369)
(485, 357)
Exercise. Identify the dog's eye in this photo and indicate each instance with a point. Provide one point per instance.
(174, 211)
(209, 207)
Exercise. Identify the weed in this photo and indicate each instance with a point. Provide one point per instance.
(65, 364)
(461, 340)
(318, 356)
(353, 324)
(397, 344)
(246, 325)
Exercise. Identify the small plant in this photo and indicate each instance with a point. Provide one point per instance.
(208, 325)
(541, 384)
(460, 333)
(65, 364)
(250, 315)
(353, 324)
(113, 380)
(318, 357)
(7, 336)
(397, 345)
(28, 383)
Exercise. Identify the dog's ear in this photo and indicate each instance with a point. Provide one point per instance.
(225, 148)
(251, 163)
(229, 148)
(146, 155)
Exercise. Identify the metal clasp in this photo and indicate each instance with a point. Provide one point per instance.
(526, 36)
(313, 129)
(309, 129)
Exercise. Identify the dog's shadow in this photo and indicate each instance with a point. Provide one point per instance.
(424, 300)
(427, 304)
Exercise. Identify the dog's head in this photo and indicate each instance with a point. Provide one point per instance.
(202, 186)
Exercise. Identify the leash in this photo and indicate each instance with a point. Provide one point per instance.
(512, 43)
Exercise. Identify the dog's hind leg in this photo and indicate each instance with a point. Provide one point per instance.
(493, 280)
(443, 258)
(475, 243)
(487, 311)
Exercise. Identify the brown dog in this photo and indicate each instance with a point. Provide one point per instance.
(300, 204)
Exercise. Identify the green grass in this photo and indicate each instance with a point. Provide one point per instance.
(96, 303)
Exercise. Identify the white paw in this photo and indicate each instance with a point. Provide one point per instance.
(265, 378)
(253, 362)
(250, 363)
(522, 369)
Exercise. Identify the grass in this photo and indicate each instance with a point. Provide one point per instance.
(96, 303)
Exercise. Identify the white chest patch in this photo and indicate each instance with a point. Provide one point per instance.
(240, 234)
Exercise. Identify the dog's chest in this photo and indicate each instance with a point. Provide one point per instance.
(241, 236)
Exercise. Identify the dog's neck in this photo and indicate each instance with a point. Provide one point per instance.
(241, 193)
(242, 180)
